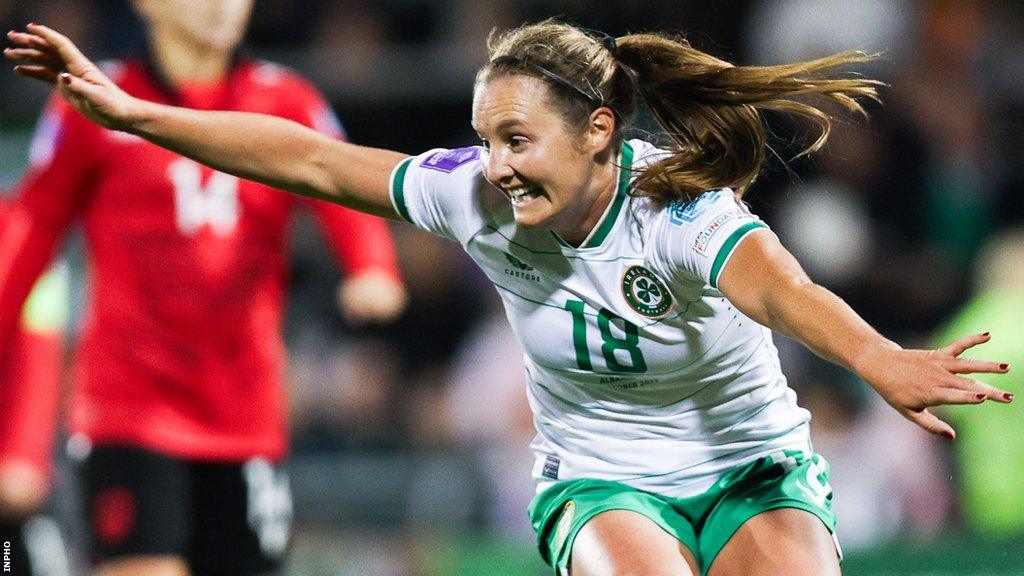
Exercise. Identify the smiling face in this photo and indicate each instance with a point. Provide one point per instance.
(555, 178)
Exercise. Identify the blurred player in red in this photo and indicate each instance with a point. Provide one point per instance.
(179, 401)
(30, 371)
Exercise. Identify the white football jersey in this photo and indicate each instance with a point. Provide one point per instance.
(639, 370)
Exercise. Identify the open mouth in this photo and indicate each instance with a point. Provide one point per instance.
(522, 195)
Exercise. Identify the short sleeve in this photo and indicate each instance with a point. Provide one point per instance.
(443, 192)
(697, 238)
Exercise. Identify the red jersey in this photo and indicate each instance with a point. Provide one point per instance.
(181, 350)
(30, 371)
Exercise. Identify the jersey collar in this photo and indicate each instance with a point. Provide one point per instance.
(604, 226)
(167, 89)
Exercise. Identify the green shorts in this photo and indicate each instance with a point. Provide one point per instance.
(704, 523)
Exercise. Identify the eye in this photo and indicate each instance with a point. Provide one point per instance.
(517, 142)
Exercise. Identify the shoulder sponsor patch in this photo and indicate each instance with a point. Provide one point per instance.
(684, 212)
(449, 160)
(700, 243)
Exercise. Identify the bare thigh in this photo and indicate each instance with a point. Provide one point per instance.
(779, 542)
(620, 542)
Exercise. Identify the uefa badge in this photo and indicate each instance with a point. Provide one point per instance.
(645, 293)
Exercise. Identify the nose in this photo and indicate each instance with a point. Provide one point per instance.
(497, 168)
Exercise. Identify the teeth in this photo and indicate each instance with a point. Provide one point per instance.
(519, 192)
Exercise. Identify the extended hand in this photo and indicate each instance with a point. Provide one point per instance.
(912, 381)
(54, 59)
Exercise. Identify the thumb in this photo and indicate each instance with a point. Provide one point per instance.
(87, 98)
(71, 84)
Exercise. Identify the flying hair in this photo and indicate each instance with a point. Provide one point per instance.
(711, 109)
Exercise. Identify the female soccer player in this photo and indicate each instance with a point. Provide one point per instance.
(639, 284)
(180, 390)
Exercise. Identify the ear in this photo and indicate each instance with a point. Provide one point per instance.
(601, 128)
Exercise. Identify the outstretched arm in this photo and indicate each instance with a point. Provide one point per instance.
(266, 149)
(767, 284)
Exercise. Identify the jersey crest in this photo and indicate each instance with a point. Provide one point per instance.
(645, 292)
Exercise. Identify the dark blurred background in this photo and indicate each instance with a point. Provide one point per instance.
(410, 442)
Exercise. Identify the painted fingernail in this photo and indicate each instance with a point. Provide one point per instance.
(1004, 366)
(65, 78)
(981, 396)
(985, 333)
(1008, 397)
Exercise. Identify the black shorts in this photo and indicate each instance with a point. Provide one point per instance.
(220, 518)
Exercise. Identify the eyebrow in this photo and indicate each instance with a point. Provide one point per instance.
(504, 125)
